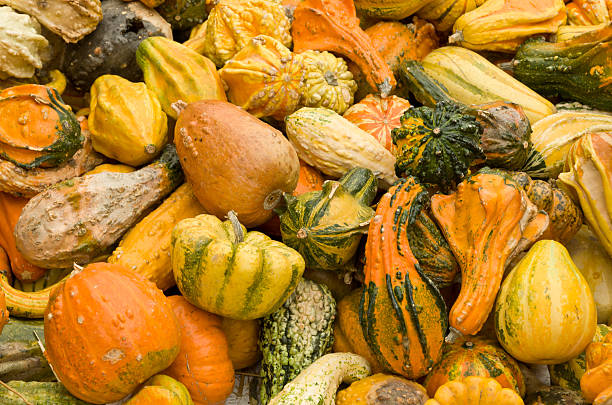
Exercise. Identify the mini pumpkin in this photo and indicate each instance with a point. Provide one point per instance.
(475, 391)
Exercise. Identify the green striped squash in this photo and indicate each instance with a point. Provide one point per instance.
(326, 226)
(221, 268)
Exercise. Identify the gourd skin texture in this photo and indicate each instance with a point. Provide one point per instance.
(161, 390)
(485, 223)
(20, 33)
(203, 363)
(236, 278)
(379, 389)
(264, 78)
(126, 120)
(242, 339)
(444, 13)
(557, 319)
(174, 72)
(475, 391)
(596, 383)
(317, 384)
(396, 289)
(39, 392)
(392, 10)
(295, 335)
(91, 212)
(107, 330)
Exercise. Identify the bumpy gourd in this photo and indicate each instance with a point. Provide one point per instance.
(126, 120)
(22, 47)
(264, 78)
(295, 335)
(379, 389)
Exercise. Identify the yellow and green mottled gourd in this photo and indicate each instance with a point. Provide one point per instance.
(37, 393)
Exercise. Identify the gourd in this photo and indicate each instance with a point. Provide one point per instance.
(317, 384)
(23, 53)
(529, 328)
(38, 129)
(475, 391)
(596, 266)
(444, 13)
(242, 340)
(378, 116)
(565, 216)
(203, 363)
(393, 10)
(568, 374)
(554, 395)
(232, 24)
(182, 14)
(327, 81)
(379, 389)
(161, 390)
(176, 73)
(11, 208)
(479, 357)
(577, 69)
(324, 25)
(111, 48)
(567, 32)
(437, 145)
(92, 212)
(326, 226)
(595, 384)
(502, 25)
(587, 12)
(486, 222)
(396, 290)
(264, 78)
(71, 20)
(126, 120)
(38, 392)
(145, 248)
(553, 136)
(334, 145)
(586, 179)
(471, 79)
(113, 168)
(251, 277)
(230, 171)
(51, 276)
(295, 335)
(118, 342)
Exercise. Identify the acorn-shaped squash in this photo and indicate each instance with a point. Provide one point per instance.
(126, 120)
(37, 128)
(326, 226)
(221, 268)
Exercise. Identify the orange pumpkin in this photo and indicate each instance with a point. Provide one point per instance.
(203, 364)
(10, 209)
(107, 330)
(378, 116)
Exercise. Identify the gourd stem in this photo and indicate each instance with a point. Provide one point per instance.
(247, 374)
(24, 399)
(456, 37)
(238, 232)
(453, 335)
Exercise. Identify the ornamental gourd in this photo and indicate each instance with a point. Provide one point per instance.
(264, 78)
(596, 384)
(181, 14)
(486, 222)
(203, 362)
(326, 226)
(396, 289)
(557, 319)
(379, 389)
(251, 275)
(437, 145)
(394, 9)
(587, 12)
(161, 390)
(38, 129)
(444, 13)
(127, 332)
(242, 340)
(126, 120)
(475, 391)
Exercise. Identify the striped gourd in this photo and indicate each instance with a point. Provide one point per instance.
(399, 303)
(326, 226)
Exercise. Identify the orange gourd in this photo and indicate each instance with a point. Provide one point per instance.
(10, 209)
(242, 338)
(588, 12)
(402, 314)
(332, 25)
(378, 116)
(203, 364)
(486, 223)
(107, 330)
(596, 382)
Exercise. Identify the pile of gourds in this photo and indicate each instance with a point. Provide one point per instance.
(336, 201)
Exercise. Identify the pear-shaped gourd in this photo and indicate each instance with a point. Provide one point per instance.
(326, 226)
(545, 313)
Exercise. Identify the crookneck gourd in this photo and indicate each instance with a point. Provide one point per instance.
(264, 78)
(486, 222)
(325, 25)
(391, 310)
(221, 268)
(92, 212)
(326, 226)
(437, 145)
(38, 128)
